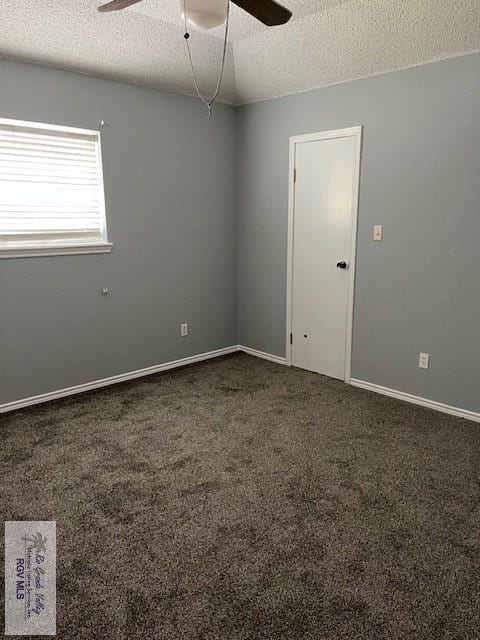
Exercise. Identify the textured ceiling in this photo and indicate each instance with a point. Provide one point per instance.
(326, 42)
(124, 45)
(354, 39)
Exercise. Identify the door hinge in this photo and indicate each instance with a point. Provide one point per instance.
(291, 338)
(294, 175)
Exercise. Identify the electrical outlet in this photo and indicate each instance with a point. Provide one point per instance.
(378, 232)
(184, 329)
(424, 361)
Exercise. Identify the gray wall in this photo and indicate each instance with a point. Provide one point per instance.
(169, 178)
(418, 290)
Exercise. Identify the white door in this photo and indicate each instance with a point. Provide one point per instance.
(324, 232)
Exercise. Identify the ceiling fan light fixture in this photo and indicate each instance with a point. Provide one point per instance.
(204, 14)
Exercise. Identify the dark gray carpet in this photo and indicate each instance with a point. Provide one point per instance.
(241, 499)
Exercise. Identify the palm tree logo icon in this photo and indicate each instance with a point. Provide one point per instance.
(38, 541)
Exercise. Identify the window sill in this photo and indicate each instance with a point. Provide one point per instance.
(49, 250)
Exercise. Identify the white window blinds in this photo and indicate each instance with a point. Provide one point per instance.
(51, 187)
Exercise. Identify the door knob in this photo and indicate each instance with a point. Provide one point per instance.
(341, 265)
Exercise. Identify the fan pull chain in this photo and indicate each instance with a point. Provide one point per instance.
(207, 102)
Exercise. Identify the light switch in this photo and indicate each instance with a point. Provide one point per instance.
(378, 232)
(424, 361)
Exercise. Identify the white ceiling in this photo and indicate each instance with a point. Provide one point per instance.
(326, 42)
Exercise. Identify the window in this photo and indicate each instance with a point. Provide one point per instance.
(51, 190)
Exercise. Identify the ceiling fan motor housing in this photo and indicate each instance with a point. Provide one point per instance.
(204, 14)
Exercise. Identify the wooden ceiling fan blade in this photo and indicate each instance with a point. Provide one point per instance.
(116, 5)
(267, 11)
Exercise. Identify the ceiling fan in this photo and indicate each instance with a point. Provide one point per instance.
(206, 14)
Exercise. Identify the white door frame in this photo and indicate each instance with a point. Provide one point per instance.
(355, 132)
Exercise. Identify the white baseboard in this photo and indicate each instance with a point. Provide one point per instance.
(262, 354)
(424, 402)
(132, 375)
(105, 382)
